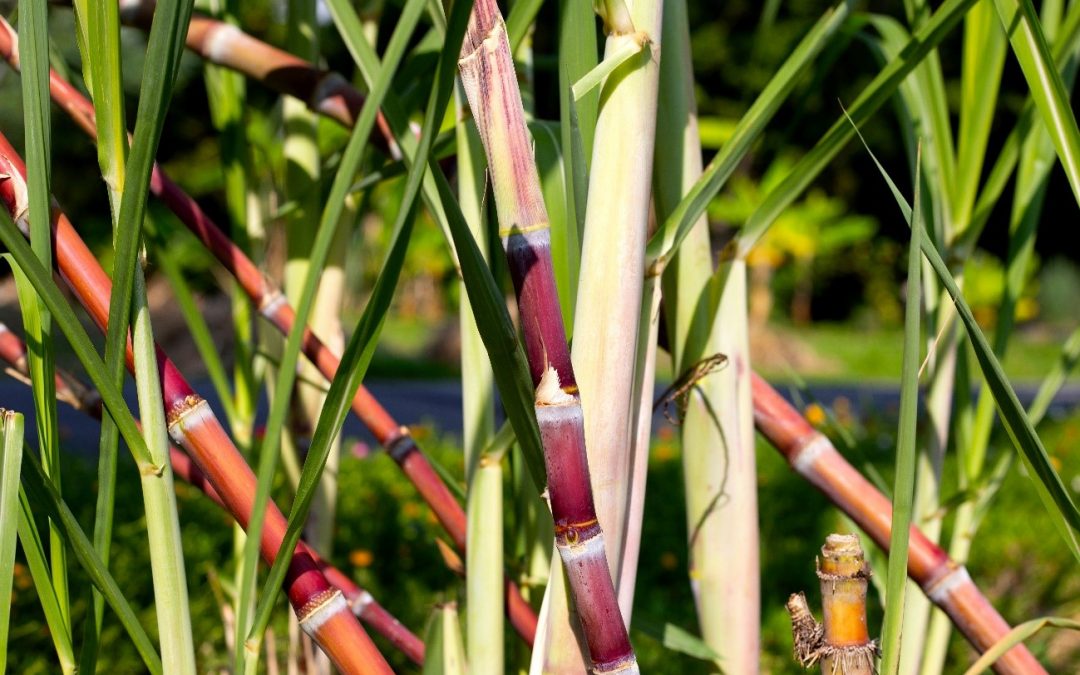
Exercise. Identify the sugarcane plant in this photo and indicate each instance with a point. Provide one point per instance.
(606, 273)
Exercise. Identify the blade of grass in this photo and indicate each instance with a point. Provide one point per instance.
(320, 251)
(11, 444)
(496, 329)
(43, 496)
(522, 14)
(904, 483)
(1048, 483)
(100, 50)
(34, 57)
(128, 304)
(577, 120)
(1015, 637)
(937, 27)
(362, 343)
(1052, 383)
(669, 236)
(1044, 81)
(36, 559)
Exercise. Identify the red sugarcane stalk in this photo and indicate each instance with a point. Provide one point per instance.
(323, 91)
(945, 582)
(362, 603)
(487, 73)
(276, 309)
(321, 608)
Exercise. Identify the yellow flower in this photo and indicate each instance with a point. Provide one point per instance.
(361, 557)
(815, 414)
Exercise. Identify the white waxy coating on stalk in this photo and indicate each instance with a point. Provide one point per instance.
(805, 457)
(194, 415)
(272, 303)
(220, 41)
(361, 602)
(588, 548)
(940, 591)
(325, 609)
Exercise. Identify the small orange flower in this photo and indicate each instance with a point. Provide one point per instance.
(361, 557)
(815, 414)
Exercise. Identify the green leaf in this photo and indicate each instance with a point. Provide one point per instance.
(1015, 637)
(34, 61)
(749, 128)
(1047, 88)
(44, 497)
(11, 445)
(1047, 482)
(929, 35)
(522, 14)
(906, 451)
(361, 345)
(678, 640)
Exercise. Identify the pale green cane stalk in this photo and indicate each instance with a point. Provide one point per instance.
(163, 527)
(11, 445)
(484, 568)
(34, 58)
(483, 581)
(477, 380)
(612, 274)
(608, 309)
(716, 434)
(445, 653)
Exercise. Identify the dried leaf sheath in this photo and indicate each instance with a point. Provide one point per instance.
(313, 598)
(489, 80)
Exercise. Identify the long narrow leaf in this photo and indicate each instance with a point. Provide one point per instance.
(904, 482)
(43, 496)
(361, 346)
(682, 218)
(1015, 637)
(11, 445)
(872, 97)
(1048, 483)
(1047, 89)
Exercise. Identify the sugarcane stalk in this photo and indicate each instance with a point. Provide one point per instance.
(84, 399)
(612, 276)
(320, 608)
(487, 74)
(716, 434)
(275, 308)
(323, 91)
(944, 581)
(846, 647)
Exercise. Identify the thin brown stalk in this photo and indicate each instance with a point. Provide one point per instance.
(84, 399)
(489, 80)
(321, 608)
(946, 583)
(323, 91)
(273, 306)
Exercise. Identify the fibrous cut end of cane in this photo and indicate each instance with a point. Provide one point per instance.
(549, 391)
